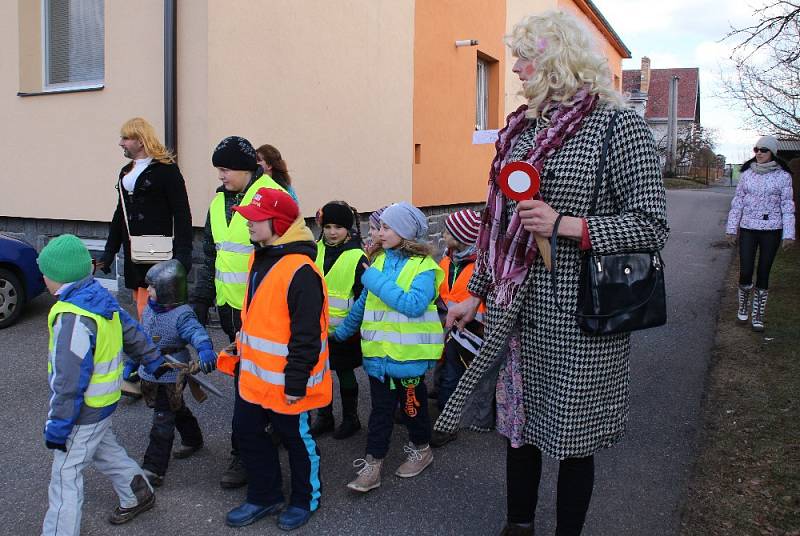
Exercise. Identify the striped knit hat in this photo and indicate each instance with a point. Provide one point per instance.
(464, 226)
(375, 217)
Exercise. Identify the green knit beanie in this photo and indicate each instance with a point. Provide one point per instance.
(65, 259)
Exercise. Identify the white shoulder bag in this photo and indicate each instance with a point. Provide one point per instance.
(146, 249)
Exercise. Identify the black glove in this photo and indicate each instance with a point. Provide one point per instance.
(201, 312)
(55, 446)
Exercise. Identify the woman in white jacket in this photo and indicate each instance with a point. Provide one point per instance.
(762, 215)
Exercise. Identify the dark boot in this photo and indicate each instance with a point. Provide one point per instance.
(350, 423)
(144, 495)
(323, 423)
(512, 529)
(235, 475)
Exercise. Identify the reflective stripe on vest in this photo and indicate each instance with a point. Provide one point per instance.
(232, 242)
(233, 247)
(106, 379)
(263, 343)
(340, 280)
(387, 332)
(231, 277)
(269, 347)
(279, 378)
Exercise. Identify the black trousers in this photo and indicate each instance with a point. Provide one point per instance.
(261, 461)
(767, 244)
(575, 484)
(381, 418)
(162, 432)
(230, 320)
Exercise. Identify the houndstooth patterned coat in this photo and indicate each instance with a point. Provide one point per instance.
(576, 392)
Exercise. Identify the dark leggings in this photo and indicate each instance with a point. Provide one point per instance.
(575, 483)
(767, 243)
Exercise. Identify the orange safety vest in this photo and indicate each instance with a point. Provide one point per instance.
(263, 343)
(459, 292)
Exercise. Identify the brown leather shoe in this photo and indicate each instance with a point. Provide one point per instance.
(146, 499)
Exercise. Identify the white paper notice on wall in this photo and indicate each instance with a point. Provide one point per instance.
(480, 137)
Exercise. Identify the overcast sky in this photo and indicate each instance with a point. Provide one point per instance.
(686, 33)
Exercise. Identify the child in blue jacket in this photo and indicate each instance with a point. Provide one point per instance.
(89, 331)
(402, 338)
(172, 325)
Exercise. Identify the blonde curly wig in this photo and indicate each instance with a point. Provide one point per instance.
(565, 59)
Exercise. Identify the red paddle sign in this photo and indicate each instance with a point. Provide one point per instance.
(519, 181)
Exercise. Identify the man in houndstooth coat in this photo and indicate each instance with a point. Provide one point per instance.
(573, 388)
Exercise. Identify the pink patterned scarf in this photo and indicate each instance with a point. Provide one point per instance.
(510, 255)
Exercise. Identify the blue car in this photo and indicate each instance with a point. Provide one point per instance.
(20, 278)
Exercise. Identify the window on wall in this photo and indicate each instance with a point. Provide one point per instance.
(482, 96)
(74, 33)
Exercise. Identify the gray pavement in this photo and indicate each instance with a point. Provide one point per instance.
(640, 483)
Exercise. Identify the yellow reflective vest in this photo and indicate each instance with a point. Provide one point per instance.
(387, 332)
(339, 280)
(106, 380)
(232, 242)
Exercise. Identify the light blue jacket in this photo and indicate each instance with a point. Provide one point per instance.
(412, 303)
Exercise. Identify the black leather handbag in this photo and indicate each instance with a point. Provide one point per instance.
(620, 292)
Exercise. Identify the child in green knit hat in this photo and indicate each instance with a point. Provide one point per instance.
(88, 333)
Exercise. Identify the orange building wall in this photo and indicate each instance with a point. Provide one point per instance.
(450, 168)
(613, 55)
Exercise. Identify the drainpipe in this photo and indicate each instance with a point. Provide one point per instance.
(171, 75)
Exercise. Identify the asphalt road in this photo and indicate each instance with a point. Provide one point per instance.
(640, 483)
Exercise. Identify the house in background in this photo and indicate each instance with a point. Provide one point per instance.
(369, 101)
(649, 94)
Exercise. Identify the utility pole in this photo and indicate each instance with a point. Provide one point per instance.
(672, 128)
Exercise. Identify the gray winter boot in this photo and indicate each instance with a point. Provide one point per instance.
(743, 296)
(759, 309)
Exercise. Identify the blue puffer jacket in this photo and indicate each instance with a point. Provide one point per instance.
(74, 341)
(412, 303)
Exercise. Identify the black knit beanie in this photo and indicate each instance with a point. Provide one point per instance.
(337, 214)
(235, 152)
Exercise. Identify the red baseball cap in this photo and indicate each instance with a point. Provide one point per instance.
(271, 204)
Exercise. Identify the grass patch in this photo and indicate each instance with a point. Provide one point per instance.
(746, 479)
(675, 183)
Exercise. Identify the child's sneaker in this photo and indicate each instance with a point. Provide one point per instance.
(369, 474)
(418, 459)
(143, 494)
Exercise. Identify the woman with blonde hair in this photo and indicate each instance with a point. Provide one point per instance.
(155, 203)
(559, 390)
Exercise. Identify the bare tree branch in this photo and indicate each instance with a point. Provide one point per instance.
(767, 68)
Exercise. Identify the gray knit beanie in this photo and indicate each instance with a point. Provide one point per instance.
(406, 220)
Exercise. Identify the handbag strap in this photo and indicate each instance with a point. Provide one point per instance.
(120, 186)
(601, 166)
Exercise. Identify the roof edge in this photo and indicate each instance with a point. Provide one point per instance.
(594, 14)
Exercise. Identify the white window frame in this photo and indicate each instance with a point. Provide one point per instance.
(60, 86)
(482, 95)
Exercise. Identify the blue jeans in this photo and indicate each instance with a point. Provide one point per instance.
(381, 418)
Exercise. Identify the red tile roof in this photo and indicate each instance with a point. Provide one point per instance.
(688, 91)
